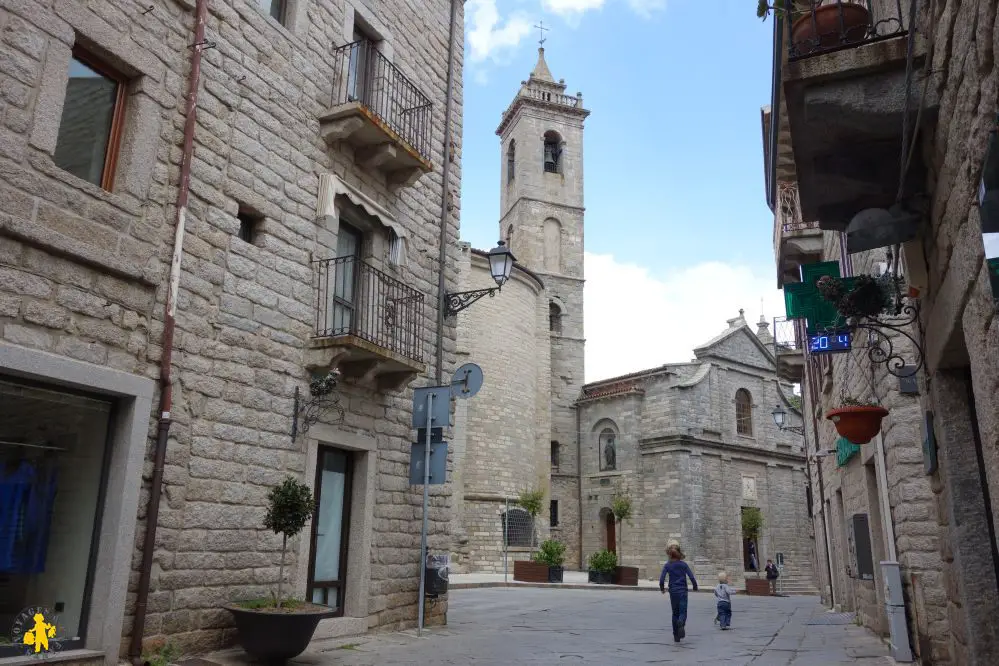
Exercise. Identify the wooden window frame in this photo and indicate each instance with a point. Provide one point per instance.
(117, 118)
(744, 418)
(340, 585)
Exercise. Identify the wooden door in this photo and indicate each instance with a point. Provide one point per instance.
(611, 534)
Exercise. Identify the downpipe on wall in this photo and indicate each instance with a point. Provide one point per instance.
(445, 190)
(169, 325)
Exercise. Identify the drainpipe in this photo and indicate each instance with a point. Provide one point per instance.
(445, 190)
(169, 324)
(579, 480)
(822, 490)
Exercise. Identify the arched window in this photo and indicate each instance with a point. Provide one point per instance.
(554, 456)
(518, 528)
(608, 450)
(553, 245)
(511, 160)
(554, 318)
(553, 152)
(743, 412)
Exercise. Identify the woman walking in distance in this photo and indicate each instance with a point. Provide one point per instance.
(678, 572)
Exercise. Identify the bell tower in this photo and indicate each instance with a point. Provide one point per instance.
(541, 219)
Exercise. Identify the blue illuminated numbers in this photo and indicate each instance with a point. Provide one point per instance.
(825, 343)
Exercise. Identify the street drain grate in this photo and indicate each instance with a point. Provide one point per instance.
(833, 618)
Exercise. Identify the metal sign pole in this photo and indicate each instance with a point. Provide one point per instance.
(506, 541)
(426, 498)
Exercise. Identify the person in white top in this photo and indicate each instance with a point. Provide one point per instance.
(723, 593)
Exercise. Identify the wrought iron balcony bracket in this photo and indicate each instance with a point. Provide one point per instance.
(457, 301)
(881, 331)
(800, 430)
(323, 399)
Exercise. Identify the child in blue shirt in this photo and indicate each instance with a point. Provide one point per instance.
(678, 572)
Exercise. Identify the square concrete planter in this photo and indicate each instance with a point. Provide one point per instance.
(758, 587)
(530, 572)
(555, 574)
(626, 576)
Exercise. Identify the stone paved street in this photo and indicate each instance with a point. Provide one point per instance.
(537, 626)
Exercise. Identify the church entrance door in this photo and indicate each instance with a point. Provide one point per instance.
(611, 533)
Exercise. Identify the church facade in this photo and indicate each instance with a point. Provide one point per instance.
(690, 443)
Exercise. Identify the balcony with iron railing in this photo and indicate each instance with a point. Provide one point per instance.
(380, 112)
(789, 348)
(368, 323)
(845, 74)
(796, 242)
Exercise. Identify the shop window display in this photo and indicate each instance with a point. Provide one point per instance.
(53, 451)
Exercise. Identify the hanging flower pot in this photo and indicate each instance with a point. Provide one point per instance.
(857, 423)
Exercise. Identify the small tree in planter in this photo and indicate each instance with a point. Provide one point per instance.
(531, 571)
(278, 629)
(551, 553)
(621, 507)
(752, 527)
(532, 501)
(857, 420)
(602, 565)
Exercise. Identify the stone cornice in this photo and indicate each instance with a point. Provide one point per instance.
(662, 443)
(580, 209)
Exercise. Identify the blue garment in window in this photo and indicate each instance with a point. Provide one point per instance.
(15, 490)
(26, 500)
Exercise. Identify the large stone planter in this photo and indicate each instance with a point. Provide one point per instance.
(526, 571)
(758, 587)
(274, 636)
(602, 577)
(626, 576)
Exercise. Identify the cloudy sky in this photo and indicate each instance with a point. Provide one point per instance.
(678, 234)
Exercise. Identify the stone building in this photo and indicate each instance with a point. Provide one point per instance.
(520, 433)
(896, 181)
(693, 445)
(290, 234)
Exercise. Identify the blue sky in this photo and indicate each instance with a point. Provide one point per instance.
(678, 234)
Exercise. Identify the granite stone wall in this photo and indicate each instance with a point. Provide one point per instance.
(83, 270)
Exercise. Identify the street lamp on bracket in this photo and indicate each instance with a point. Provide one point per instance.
(501, 262)
(780, 416)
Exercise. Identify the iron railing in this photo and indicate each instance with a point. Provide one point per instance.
(821, 26)
(789, 337)
(355, 298)
(362, 74)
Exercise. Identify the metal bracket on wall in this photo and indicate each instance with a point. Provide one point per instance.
(882, 331)
(322, 400)
(457, 301)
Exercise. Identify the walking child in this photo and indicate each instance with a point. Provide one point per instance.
(723, 593)
(678, 572)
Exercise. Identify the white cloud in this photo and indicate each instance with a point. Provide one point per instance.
(634, 320)
(490, 37)
(646, 8)
(571, 9)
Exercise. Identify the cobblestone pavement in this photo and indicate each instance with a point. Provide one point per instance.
(539, 626)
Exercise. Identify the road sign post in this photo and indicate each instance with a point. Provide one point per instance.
(431, 412)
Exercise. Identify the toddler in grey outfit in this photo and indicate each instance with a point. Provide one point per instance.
(723, 593)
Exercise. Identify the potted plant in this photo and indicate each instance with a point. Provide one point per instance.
(861, 297)
(752, 527)
(531, 571)
(602, 565)
(622, 509)
(278, 629)
(551, 554)
(856, 420)
(818, 26)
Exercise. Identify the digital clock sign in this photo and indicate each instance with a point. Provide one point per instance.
(830, 342)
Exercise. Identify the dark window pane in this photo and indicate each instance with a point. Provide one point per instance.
(86, 123)
(273, 7)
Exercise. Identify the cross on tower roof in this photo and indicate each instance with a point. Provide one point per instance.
(541, 27)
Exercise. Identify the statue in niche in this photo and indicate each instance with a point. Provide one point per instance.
(610, 454)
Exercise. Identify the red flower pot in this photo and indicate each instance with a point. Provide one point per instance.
(827, 32)
(857, 424)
